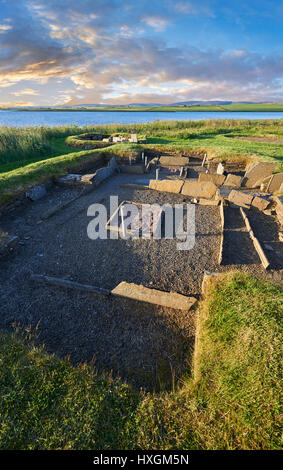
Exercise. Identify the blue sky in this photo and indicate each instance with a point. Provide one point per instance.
(119, 52)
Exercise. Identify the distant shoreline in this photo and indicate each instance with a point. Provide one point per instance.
(261, 108)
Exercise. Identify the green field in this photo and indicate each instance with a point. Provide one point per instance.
(231, 400)
(256, 107)
(32, 155)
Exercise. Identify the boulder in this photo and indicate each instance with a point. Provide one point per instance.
(257, 172)
(199, 189)
(214, 178)
(153, 296)
(233, 180)
(260, 203)
(240, 198)
(169, 186)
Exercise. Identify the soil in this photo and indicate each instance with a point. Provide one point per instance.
(147, 345)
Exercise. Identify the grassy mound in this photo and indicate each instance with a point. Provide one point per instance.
(231, 402)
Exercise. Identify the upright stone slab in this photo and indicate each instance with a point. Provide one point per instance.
(279, 209)
(233, 181)
(199, 189)
(275, 183)
(153, 296)
(257, 172)
(214, 178)
(220, 169)
(240, 198)
(169, 186)
(134, 138)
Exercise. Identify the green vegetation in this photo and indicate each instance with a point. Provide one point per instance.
(28, 153)
(254, 107)
(230, 402)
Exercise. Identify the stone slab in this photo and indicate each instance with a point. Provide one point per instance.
(279, 209)
(257, 172)
(233, 180)
(173, 161)
(240, 198)
(199, 189)
(169, 186)
(275, 183)
(214, 178)
(209, 202)
(220, 169)
(260, 203)
(154, 296)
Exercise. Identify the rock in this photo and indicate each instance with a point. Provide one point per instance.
(214, 178)
(220, 169)
(8, 244)
(240, 198)
(267, 212)
(280, 236)
(257, 172)
(265, 183)
(87, 178)
(279, 209)
(69, 180)
(199, 189)
(36, 193)
(154, 296)
(260, 203)
(275, 183)
(173, 161)
(169, 186)
(281, 189)
(233, 180)
(209, 202)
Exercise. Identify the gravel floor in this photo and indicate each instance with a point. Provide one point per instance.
(148, 345)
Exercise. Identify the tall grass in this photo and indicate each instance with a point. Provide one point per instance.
(31, 143)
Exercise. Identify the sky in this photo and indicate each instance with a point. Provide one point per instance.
(70, 52)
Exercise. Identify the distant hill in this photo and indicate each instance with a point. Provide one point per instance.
(180, 103)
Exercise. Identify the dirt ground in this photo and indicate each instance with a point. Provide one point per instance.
(149, 346)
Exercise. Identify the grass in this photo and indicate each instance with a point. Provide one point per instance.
(231, 402)
(42, 146)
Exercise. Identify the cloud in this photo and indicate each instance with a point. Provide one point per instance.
(107, 53)
(26, 91)
(156, 22)
(4, 28)
(17, 103)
